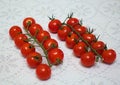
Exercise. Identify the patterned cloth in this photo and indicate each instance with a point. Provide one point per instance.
(102, 15)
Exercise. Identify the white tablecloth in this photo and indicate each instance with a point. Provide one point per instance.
(102, 15)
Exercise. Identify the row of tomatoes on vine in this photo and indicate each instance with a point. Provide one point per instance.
(81, 39)
(26, 42)
(84, 43)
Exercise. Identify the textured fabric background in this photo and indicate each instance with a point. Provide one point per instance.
(102, 15)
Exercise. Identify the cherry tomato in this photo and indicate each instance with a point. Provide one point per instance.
(34, 59)
(63, 32)
(98, 46)
(89, 37)
(43, 72)
(26, 49)
(27, 22)
(71, 40)
(35, 29)
(109, 56)
(88, 59)
(80, 29)
(79, 49)
(14, 31)
(50, 43)
(20, 40)
(42, 36)
(55, 56)
(72, 21)
(54, 25)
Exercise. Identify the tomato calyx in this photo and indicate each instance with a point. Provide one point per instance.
(105, 47)
(89, 30)
(58, 61)
(31, 46)
(44, 38)
(36, 58)
(51, 18)
(70, 15)
(53, 46)
(76, 40)
(28, 25)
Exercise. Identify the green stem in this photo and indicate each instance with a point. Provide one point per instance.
(65, 19)
(40, 45)
(81, 38)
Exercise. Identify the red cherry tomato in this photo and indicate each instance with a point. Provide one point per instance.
(42, 36)
(26, 49)
(63, 32)
(79, 49)
(50, 43)
(35, 29)
(89, 37)
(27, 22)
(20, 40)
(54, 25)
(34, 59)
(71, 40)
(98, 46)
(43, 72)
(14, 31)
(72, 21)
(109, 56)
(88, 59)
(80, 29)
(55, 56)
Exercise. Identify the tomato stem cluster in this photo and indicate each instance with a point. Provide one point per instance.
(81, 39)
(40, 45)
(34, 36)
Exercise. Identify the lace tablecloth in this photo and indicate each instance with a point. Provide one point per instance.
(102, 15)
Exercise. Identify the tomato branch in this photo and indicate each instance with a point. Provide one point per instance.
(81, 38)
(40, 45)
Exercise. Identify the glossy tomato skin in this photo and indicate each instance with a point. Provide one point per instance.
(26, 49)
(88, 59)
(72, 21)
(109, 56)
(98, 46)
(43, 72)
(71, 40)
(20, 39)
(89, 37)
(79, 49)
(80, 29)
(14, 31)
(55, 56)
(50, 44)
(34, 59)
(63, 32)
(54, 25)
(35, 29)
(27, 22)
(42, 36)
